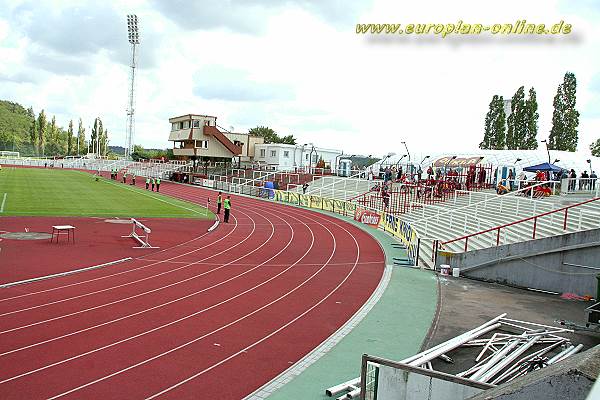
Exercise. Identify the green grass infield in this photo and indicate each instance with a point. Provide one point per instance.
(57, 192)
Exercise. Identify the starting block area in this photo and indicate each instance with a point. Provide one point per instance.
(143, 237)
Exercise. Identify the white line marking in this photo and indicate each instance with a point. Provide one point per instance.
(243, 350)
(115, 287)
(170, 323)
(236, 321)
(163, 304)
(201, 311)
(3, 201)
(60, 274)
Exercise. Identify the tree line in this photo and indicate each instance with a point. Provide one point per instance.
(519, 131)
(21, 130)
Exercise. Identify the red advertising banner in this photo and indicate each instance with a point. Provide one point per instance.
(367, 217)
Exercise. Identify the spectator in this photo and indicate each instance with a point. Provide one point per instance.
(511, 179)
(539, 176)
(501, 189)
(429, 172)
(386, 197)
(593, 178)
(304, 187)
(572, 179)
(583, 182)
(521, 179)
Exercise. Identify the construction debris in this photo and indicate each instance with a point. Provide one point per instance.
(510, 349)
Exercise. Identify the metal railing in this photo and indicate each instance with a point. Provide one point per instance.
(534, 219)
(469, 212)
(580, 185)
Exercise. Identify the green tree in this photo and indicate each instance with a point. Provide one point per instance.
(494, 136)
(289, 139)
(265, 132)
(41, 131)
(33, 135)
(81, 146)
(270, 136)
(565, 118)
(104, 143)
(515, 138)
(531, 121)
(499, 128)
(70, 138)
(486, 143)
(97, 133)
(595, 148)
(571, 115)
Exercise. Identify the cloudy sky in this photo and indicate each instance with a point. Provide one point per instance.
(297, 66)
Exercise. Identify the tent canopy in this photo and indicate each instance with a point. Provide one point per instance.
(544, 167)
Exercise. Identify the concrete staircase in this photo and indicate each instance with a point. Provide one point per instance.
(335, 187)
(471, 212)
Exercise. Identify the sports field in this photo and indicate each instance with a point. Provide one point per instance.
(56, 192)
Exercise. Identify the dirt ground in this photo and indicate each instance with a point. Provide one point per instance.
(466, 304)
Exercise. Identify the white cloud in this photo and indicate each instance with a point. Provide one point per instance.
(299, 67)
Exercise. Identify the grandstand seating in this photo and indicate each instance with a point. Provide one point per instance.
(471, 212)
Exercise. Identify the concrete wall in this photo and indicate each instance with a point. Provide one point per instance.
(553, 263)
(398, 384)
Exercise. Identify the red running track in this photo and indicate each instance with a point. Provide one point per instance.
(215, 318)
(96, 242)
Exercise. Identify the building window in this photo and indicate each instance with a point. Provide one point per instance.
(201, 144)
(262, 152)
(186, 124)
(314, 158)
(174, 126)
(286, 154)
(306, 157)
(273, 153)
(196, 124)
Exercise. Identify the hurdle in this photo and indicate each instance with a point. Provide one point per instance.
(144, 240)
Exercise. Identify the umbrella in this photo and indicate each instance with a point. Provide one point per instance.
(544, 167)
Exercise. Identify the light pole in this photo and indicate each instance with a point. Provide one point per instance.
(310, 161)
(134, 40)
(547, 149)
(400, 159)
(423, 160)
(589, 161)
(388, 155)
(407, 152)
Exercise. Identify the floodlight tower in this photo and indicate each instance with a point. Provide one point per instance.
(134, 40)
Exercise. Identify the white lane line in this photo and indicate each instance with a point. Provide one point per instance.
(230, 324)
(65, 273)
(119, 273)
(114, 287)
(245, 349)
(165, 325)
(139, 258)
(159, 305)
(3, 202)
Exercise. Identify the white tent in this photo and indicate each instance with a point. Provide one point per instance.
(517, 159)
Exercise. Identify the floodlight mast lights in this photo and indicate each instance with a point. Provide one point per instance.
(134, 40)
